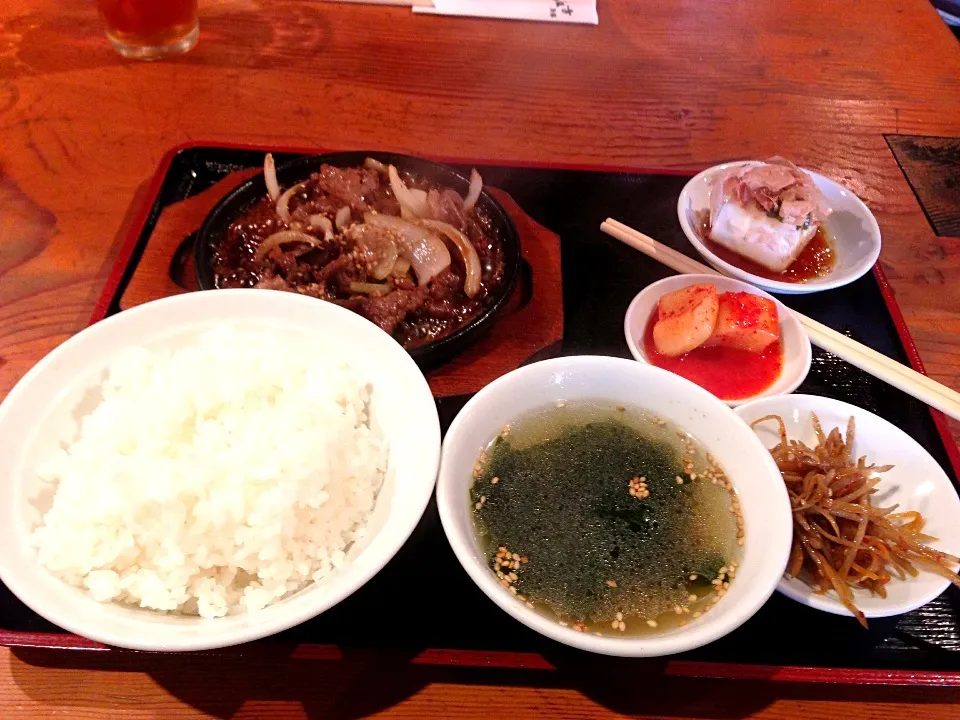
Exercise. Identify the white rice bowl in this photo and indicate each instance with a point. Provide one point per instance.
(211, 468)
(216, 478)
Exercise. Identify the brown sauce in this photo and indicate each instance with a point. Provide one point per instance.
(817, 259)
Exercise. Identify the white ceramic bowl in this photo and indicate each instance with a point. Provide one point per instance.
(916, 482)
(854, 230)
(797, 353)
(35, 414)
(762, 495)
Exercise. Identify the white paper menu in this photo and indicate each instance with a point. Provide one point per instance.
(565, 11)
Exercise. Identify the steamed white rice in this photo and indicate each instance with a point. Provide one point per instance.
(214, 479)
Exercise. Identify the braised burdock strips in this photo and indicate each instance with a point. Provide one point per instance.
(412, 256)
(841, 540)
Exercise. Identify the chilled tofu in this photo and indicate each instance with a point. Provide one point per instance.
(753, 234)
(745, 321)
(685, 319)
(766, 212)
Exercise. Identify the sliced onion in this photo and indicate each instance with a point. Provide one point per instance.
(379, 247)
(343, 217)
(471, 261)
(284, 236)
(473, 193)
(375, 289)
(415, 201)
(428, 255)
(270, 177)
(401, 267)
(323, 222)
(371, 164)
(283, 202)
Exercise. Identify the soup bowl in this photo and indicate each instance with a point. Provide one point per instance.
(746, 462)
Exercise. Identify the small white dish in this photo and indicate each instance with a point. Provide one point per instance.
(40, 411)
(797, 353)
(916, 482)
(853, 228)
(763, 498)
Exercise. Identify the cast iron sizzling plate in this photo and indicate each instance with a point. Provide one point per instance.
(422, 605)
(428, 356)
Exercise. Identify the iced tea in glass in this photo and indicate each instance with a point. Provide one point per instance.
(150, 29)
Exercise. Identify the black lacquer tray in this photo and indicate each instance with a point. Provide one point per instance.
(459, 625)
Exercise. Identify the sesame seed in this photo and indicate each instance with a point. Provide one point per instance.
(612, 583)
(678, 610)
(562, 623)
(560, 403)
(692, 598)
(615, 624)
(494, 481)
(619, 616)
(620, 408)
(652, 623)
(697, 614)
(513, 590)
(679, 480)
(478, 506)
(693, 577)
(693, 476)
(622, 625)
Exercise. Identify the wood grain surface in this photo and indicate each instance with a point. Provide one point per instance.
(680, 83)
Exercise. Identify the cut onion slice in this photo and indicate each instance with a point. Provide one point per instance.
(428, 255)
(413, 201)
(471, 261)
(322, 222)
(373, 289)
(270, 177)
(378, 246)
(284, 236)
(283, 203)
(343, 217)
(371, 164)
(473, 193)
(401, 267)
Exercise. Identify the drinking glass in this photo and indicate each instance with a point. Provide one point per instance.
(150, 29)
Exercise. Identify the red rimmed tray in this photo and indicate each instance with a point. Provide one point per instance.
(599, 278)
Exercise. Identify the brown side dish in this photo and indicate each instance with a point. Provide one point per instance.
(841, 540)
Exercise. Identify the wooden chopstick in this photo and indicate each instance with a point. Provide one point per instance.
(898, 375)
(819, 334)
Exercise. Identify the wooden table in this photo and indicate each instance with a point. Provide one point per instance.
(681, 83)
